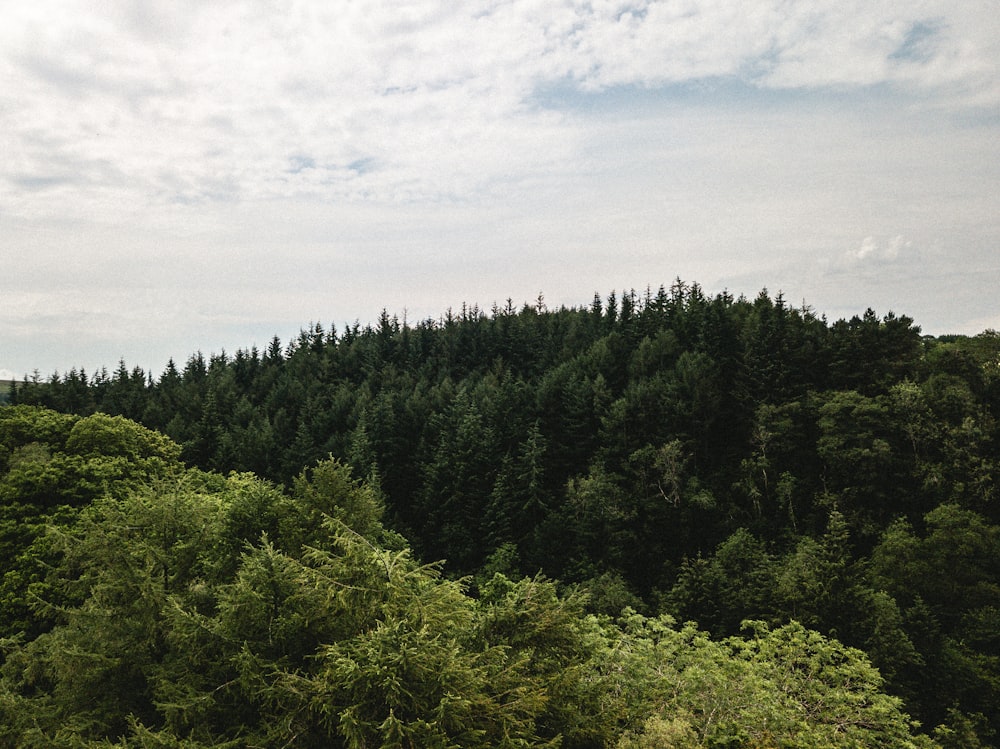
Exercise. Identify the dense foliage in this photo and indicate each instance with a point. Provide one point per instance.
(202, 611)
(710, 459)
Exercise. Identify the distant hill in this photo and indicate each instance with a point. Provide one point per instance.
(5, 387)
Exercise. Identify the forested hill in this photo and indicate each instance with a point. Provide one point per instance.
(713, 458)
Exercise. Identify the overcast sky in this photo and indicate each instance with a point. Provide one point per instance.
(185, 175)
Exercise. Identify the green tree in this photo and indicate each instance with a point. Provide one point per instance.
(321, 638)
(788, 687)
(736, 583)
(946, 582)
(55, 466)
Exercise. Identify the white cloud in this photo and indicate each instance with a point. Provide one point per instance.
(868, 247)
(208, 102)
(875, 250)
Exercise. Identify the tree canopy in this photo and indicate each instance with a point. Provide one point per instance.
(203, 611)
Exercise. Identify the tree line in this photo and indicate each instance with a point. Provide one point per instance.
(707, 458)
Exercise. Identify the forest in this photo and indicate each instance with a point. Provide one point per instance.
(664, 519)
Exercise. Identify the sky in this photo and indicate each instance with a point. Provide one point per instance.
(181, 175)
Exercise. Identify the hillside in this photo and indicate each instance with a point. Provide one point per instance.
(714, 459)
